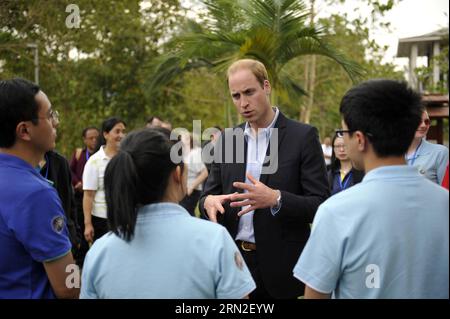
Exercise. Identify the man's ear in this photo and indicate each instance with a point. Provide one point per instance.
(22, 131)
(361, 139)
(177, 174)
(267, 87)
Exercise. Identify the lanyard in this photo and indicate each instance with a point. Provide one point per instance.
(87, 155)
(415, 155)
(346, 179)
(47, 164)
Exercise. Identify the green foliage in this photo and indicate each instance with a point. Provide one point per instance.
(352, 39)
(274, 32)
(138, 58)
(92, 72)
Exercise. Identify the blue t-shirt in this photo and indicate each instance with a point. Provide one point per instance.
(387, 237)
(32, 230)
(172, 255)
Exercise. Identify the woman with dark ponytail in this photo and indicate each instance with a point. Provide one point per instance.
(155, 248)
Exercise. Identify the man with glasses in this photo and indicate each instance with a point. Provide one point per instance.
(55, 169)
(34, 245)
(386, 237)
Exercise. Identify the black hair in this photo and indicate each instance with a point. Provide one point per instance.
(107, 126)
(17, 104)
(85, 130)
(151, 118)
(138, 175)
(386, 111)
(335, 162)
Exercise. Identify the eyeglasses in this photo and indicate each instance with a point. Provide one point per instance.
(53, 116)
(340, 133)
(340, 146)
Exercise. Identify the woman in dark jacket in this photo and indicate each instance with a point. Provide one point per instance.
(341, 174)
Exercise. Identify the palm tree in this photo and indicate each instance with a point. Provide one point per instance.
(271, 31)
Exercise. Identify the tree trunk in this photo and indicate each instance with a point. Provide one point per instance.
(310, 78)
(306, 86)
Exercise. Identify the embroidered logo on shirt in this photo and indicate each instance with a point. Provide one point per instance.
(58, 224)
(238, 260)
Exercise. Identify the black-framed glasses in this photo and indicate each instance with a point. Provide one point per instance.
(340, 133)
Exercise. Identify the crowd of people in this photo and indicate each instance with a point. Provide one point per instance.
(365, 215)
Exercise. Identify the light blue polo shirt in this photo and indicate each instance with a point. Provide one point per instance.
(172, 255)
(430, 160)
(387, 237)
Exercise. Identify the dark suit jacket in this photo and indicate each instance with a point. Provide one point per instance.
(301, 178)
(59, 173)
(357, 177)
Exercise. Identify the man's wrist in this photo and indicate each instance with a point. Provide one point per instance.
(277, 201)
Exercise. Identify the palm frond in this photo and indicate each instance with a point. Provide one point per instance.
(293, 88)
(314, 45)
(273, 32)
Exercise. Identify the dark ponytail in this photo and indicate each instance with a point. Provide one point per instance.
(121, 181)
(138, 175)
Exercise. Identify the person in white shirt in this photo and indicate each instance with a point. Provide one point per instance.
(94, 203)
(327, 150)
(197, 174)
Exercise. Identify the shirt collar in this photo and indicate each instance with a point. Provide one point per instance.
(161, 209)
(14, 161)
(248, 130)
(102, 153)
(391, 172)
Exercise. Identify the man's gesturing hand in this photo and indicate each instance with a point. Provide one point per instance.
(257, 196)
(213, 204)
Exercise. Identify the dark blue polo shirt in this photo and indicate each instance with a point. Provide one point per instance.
(32, 230)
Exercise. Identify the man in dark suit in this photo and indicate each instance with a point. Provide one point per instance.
(266, 208)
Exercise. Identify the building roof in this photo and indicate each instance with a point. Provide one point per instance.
(424, 43)
(437, 105)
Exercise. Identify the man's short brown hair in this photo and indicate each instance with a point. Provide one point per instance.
(257, 68)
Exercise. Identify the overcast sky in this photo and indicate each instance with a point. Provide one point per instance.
(412, 18)
(408, 18)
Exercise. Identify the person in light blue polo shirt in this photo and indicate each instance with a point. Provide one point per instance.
(429, 159)
(386, 237)
(155, 248)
